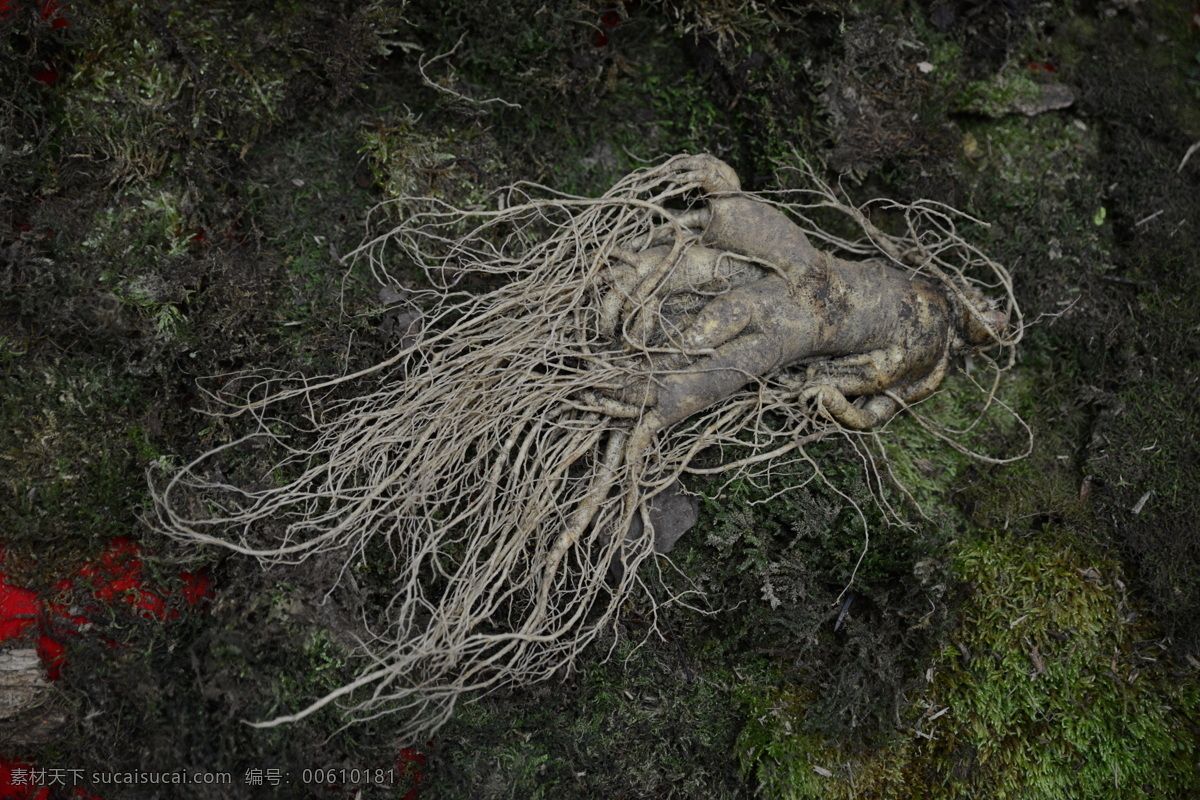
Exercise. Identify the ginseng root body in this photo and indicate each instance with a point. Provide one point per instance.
(860, 329)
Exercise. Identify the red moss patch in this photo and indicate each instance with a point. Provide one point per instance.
(112, 581)
(18, 610)
(410, 769)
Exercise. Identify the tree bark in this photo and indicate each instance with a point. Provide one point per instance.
(26, 716)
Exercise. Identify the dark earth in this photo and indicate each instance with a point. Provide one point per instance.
(179, 180)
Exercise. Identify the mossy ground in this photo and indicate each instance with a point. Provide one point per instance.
(178, 182)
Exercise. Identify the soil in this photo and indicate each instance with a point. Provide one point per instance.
(179, 181)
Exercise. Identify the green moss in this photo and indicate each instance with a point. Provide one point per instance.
(1052, 687)
(927, 467)
(999, 96)
(1061, 695)
(68, 470)
(320, 668)
(850, 606)
(1030, 163)
(683, 108)
(175, 120)
(788, 761)
(727, 22)
(173, 86)
(410, 160)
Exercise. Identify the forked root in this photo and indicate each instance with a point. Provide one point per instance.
(491, 460)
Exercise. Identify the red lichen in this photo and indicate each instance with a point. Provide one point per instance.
(609, 20)
(112, 580)
(55, 14)
(18, 609)
(16, 777)
(48, 10)
(410, 768)
(48, 74)
(116, 576)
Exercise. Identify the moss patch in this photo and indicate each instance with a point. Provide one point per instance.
(1051, 687)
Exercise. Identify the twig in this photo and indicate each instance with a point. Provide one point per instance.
(1144, 220)
(422, 64)
(1195, 146)
(1128, 281)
